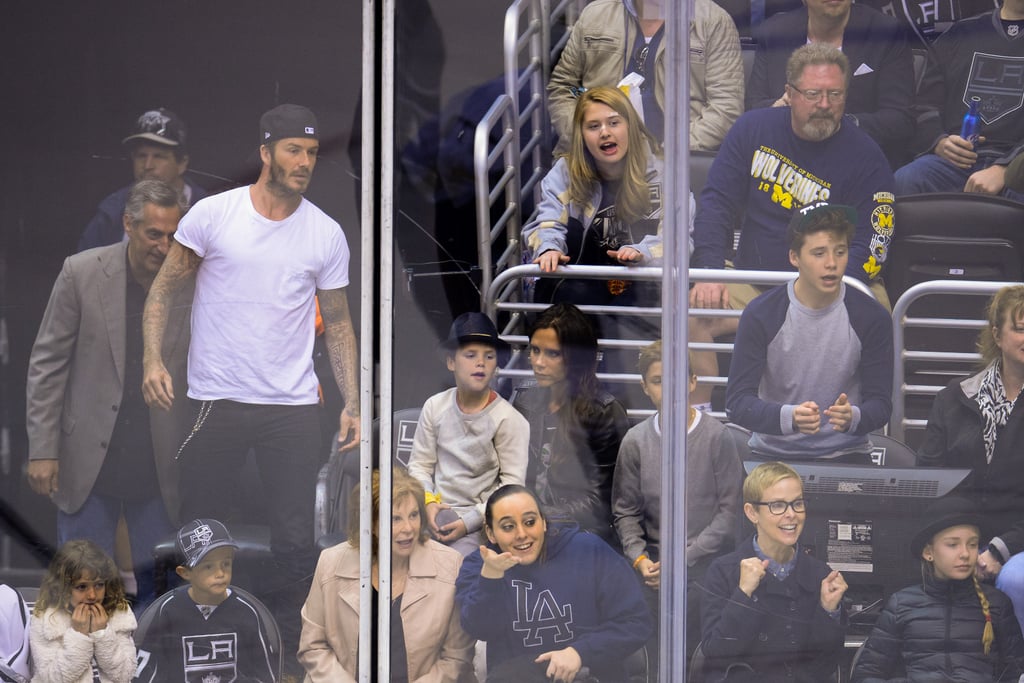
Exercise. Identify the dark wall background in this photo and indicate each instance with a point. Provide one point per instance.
(76, 75)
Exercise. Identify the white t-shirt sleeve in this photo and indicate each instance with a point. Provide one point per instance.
(334, 273)
(193, 229)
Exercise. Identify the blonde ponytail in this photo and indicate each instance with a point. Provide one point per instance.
(989, 634)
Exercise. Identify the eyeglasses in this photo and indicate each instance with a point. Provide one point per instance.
(814, 96)
(778, 507)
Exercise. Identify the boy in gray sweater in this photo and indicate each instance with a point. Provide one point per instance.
(469, 440)
(714, 480)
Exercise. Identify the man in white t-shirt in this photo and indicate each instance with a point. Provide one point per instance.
(262, 255)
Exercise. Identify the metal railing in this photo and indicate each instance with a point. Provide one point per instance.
(899, 423)
(507, 187)
(529, 53)
(527, 58)
(503, 297)
(569, 10)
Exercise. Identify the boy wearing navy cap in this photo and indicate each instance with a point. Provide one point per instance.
(205, 628)
(469, 440)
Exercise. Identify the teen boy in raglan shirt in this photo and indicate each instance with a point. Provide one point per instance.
(811, 373)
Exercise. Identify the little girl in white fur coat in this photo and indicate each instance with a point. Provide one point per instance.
(82, 624)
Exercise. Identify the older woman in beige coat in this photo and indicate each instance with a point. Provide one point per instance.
(425, 634)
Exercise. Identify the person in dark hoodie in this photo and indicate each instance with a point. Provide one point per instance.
(949, 627)
(551, 602)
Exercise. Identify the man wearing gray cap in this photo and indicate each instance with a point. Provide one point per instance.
(260, 254)
(158, 151)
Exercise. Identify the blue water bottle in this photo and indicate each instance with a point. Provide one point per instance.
(969, 128)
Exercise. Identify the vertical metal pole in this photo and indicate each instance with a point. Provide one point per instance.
(368, 197)
(386, 333)
(675, 288)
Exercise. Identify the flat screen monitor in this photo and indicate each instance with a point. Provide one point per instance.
(860, 519)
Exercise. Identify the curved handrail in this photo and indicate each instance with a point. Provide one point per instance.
(501, 112)
(501, 291)
(899, 423)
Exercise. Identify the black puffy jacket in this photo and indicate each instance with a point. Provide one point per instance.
(932, 634)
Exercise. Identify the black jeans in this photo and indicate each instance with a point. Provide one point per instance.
(285, 441)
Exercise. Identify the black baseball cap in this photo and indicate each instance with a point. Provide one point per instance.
(288, 121)
(161, 126)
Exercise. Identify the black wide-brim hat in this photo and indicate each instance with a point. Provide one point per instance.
(943, 514)
(471, 328)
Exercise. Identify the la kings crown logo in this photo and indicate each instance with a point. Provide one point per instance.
(202, 535)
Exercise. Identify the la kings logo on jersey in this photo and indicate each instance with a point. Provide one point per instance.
(210, 658)
(999, 81)
(540, 617)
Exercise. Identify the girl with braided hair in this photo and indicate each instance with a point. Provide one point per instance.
(951, 627)
(977, 423)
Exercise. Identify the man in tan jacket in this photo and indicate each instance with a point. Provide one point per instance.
(95, 448)
(613, 39)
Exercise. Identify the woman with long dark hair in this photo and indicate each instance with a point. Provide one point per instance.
(576, 426)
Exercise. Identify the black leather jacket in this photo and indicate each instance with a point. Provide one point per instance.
(582, 457)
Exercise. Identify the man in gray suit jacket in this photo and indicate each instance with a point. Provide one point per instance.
(94, 446)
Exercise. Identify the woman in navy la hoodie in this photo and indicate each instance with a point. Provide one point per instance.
(548, 598)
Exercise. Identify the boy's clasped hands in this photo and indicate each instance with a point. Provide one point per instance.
(807, 416)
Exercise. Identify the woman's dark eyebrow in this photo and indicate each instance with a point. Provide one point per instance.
(512, 519)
